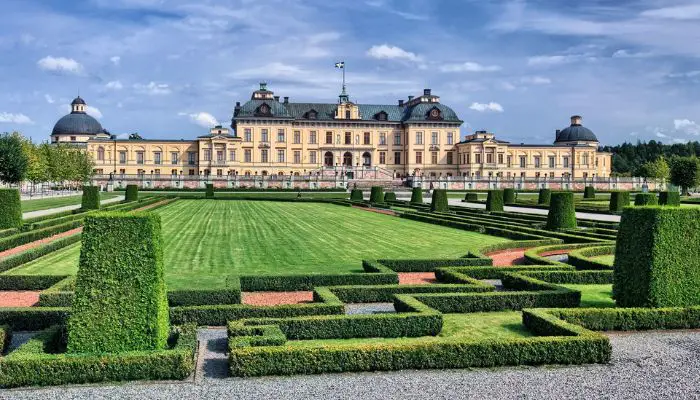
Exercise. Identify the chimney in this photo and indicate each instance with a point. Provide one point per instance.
(238, 104)
(576, 120)
(286, 99)
(426, 92)
(400, 103)
(263, 85)
(277, 98)
(410, 98)
(556, 135)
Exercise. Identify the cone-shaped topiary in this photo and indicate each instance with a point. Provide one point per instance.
(439, 201)
(10, 209)
(562, 214)
(509, 196)
(670, 199)
(209, 191)
(132, 193)
(356, 195)
(545, 195)
(91, 198)
(494, 202)
(589, 192)
(619, 200)
(471, 197)
(376, 195)
(645, 199)
(417, 195)
(389, 196)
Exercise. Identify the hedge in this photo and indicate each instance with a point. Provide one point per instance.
(439, 201)
(572, 277)
(645, 199)
(7, 263)
(36, 362)
(120, 302)
(356, 195)
(632, 319)
(176, 298)
(132, 193)
(386, 293)
(509, 196)
(544, 196)
(657, 257)
(91, 198)
(424, 265)
(589, 192)
(33, 318)
(582, 260)
(5, 337)
(10, 209)
(31, 236)
(619, 200)
(209, 191)
(296, 282)
(376, 195)
(562, 214)
(670, 199)
(29, 282)
(494, 201)
(471, 197)
(417, 195)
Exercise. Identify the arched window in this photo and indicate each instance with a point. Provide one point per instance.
(328, 159)
(347, 159)
(366, 159)
(347, 114)
(100, 154)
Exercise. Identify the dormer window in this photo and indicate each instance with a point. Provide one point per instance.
(434, 114)
(312, 114)
(381, 116)
(263, 111)
(347, 114)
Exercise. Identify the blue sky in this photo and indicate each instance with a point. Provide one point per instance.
(518, 68)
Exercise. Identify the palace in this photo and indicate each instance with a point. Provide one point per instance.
(418, 136)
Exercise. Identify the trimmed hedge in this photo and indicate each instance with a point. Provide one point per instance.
(670, 199)
(645, 199)
(120, 302)
(219, 315)
(657, 258)
(91, 198)
(33, 318)
(296, 282)
(471, 197)
(26, 237)
(562, 214)
(10, 209)
(439, 201)
(632, 319)
(581, 258)
(386, 293)
(356, 195)
(619, 200)
(417, 195)
(5, 337)
(589, 192)
(572, 277)
(376, 195)
(389, 196)
(209, 191)
(132, 193)
(544, 196)
(494, 201)
(29, 282)
(509, 196)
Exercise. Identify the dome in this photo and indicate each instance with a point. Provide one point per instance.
(420, 111)
(77, 100)
(576, 132)
(77, 124)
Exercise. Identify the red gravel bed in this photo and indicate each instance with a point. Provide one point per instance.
(18, 299)
(276, 298)
(376, 210)
(38, 243)
(416, 278)
(505, 258)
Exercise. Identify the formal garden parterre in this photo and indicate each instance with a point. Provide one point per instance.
(193, 260)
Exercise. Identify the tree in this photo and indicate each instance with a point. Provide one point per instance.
(37, 169)
(657, 169)
(13, 160)
(685, 172)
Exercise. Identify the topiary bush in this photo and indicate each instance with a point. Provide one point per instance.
(509, 196)
(619, 200)
(589, 192)
(356, 195)
(10, 209)
(417, 195)
(132, 193)
(471, 197)
(91, 198)
(545, 195)
(562, 214)
(209, 192)
(389, 196)
(657, 258)
(670, 199)
(120, 301)
(645, 199)
(376, 195)
(494, 202)
(439, 201)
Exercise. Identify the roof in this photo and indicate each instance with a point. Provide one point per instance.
(77, 123)
(77, 100)
(576, 133)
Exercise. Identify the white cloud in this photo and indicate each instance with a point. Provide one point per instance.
(94, 111)
(622, 53)
(484, 107)
(535, 80)
(689, 74)
(114, 85)
(202, 118)
(679, 140)
(469, 67)
(687, 126)
(60, 64)
(115, 60)
(661, 135)
(49, 99)
(153, 88)
(684, 12)
(544, 61)
(19, 119)
(385, 51)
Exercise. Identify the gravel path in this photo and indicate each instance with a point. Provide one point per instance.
(416, 278)
(41, 213)
(276, 298)
(505, 258)
(18, 298)
(644, 365)
(369, 308)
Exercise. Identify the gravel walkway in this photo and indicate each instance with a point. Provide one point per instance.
(506, 258)
(18, 298)
(645, 365)
(416, 278)
(49, 211)
(276, 298)
(369, 308)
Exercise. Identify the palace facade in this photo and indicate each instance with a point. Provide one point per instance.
(418, 136)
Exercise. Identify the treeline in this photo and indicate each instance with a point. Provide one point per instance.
(21, 160)
(629, 159)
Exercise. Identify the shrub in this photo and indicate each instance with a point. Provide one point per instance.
(91, 198)
(10, 209)
(376, 195)
(33, 318)
(544, 197)
(582, 260)
(417, 195)
(471, 197)
(645, 199)
(657, 258)
(619, 200)
(120, 302)
(356, 195)
(132, 193)
(494, 202)
(439, 201)
(589, 192)
(296, 282)
(5, 337)
(632, 319)
(509, 196)
(28, 282)
(562, 214)
(219, 315)
(209, 192)
(26, 237)
(389, 196)
(670, 199)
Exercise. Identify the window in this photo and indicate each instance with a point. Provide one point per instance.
(139, 157)
(357, 139)
(173, 172)
(247, 155)
(509, 160)
(220, 156)
(312, 137)
(156, 172)
(434, 139)
(100, 154)
(565, 161)
(467, 158)
(434, 157)
(297, 157)
(419, 157)
(397, 157)
(122, 171)
(174, 157)
(207, 172)
(382, 157)
(584, 159)
(280, 135)
(232, 155)
(264, 136)
(367, 138)
(348, 138)
(156, 158)
(347, 114)
(537, 161)
(500, 158)
(297, 137)
(450, 138)
(122, 157)
(312, 157)
(247, 135)
(419, 137)
(329, 137)
(280, 156)
(397, 138)
(191, 157)
(449, 158)
(207, 155)
(191, 173)
(72, 138)
(219, 172)
(551, 161)
(522, 161)
(477, 158)
(382, 138)
(263, 155)
(141, 172)
(489, 158)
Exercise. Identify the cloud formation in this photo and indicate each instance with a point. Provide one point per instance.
(203, 119)
(469, 67)
(386, 52)
(486, 107)
(60, 64)
(18, 119)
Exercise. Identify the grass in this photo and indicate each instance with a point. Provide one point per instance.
(233, 195)
(206, 241)
(472, 326)
(608, 259)
(55, 202)
(595, 295)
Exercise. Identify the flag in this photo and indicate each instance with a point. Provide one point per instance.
(340, 64)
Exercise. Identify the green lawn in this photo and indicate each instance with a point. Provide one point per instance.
(595, 295)
(277, 195)
(54, 202)
(607, 259)
(207, 240)
(472, 326)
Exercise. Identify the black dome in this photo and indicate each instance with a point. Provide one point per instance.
(77, 100)
(576, 133)
(77, 124)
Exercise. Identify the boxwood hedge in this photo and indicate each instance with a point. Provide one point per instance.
(509, 196)
(376, 195)
(589, 192)
(10, 209)
(562, 214)
(494, 201)
(132, 193)
(619, 200)
(439, 201)
(471, 197)
(544, 196)
(645, 199)
(356, 195)
(417, 195)
(91, 198)
(389, 196)
(670, 199)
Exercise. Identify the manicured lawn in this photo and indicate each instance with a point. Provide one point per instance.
(472, 326)
(609, 259)
(54, 202)
(207, 241)
(276, 195)
(595, 295)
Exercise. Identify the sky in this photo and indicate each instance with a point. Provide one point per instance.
(517, 68)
